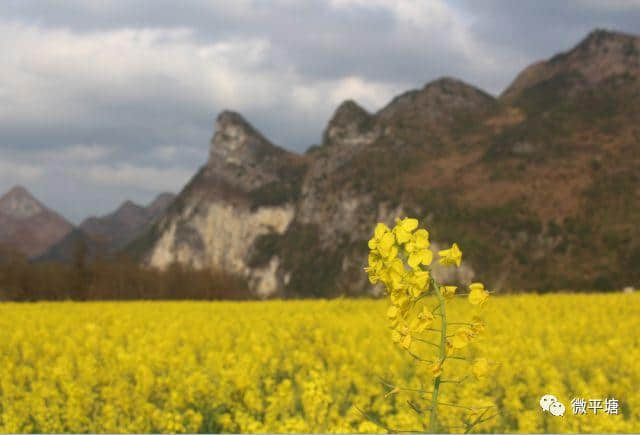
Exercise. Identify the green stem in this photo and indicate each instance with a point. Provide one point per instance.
(433, 416)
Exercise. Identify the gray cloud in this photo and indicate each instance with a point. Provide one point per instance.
(132, 87)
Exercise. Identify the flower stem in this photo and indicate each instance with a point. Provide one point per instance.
(433, 415)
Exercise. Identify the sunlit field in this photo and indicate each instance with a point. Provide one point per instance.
(307, 366)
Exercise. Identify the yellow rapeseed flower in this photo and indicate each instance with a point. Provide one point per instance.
(380, 230)
(417, 282)
(477, 325)
(386, 246)
(478, 295)
(451, 256)
(402, 336)
(403, 229)
(418, 249)
(392, 312)
(400, 299)
(480, 367)
(423, 320)
(448, 291)
(462, 337)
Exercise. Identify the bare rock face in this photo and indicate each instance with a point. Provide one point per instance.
(350, 125)
(220, 235)
(26, 225)
(247, 189)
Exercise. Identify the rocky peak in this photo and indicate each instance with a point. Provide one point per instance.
(437, 100)
(348, 121)
(129, 210)
(241, 159)
(238, 143)
(600, 41)
(26, 225)
(18, 203)
(600, 56)
(160, 203)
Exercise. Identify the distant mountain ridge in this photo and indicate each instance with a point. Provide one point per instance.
(28, 226)
(107, 235)
(540, 186)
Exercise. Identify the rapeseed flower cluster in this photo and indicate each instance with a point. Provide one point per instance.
(399, 258)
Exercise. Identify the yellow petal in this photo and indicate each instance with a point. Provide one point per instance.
(392, 312)
(406, 341)
(380, 230)
(480, 367)
(414, 260)
(448, 291)
(395, 336)
(476, 286)
(402, 236)
(478, 297)
(408, 224)
(386, 242)
(421, 234)
(427, 257)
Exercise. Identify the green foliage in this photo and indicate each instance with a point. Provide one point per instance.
(265, 246)
(273, 194)
(281, 191)
(312, 269)
(603, 283)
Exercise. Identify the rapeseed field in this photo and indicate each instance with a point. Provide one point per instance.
(309, 366)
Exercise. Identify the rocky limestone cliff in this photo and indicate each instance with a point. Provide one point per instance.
(247, 188)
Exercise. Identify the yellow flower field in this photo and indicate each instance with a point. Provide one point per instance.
(307, 366)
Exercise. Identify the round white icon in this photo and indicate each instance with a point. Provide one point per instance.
(557, 409)
(546, 401)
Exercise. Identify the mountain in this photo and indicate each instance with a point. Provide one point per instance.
(248, 188)
(26, 225)
(539, 186)
(108, 234)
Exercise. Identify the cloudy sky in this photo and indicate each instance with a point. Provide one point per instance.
(101, 101)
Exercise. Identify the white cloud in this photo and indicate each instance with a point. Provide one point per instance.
(370, 94)
(77, 153)
(16, 172)
(56, 75)
(145, 178)
(182, 152)
(166, 152)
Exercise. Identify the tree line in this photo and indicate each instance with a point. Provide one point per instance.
(110, 278)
